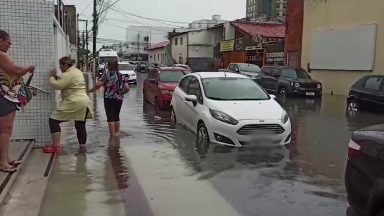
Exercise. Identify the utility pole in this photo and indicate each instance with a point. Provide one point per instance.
(86, 43)
(138, 46)
(95, 25)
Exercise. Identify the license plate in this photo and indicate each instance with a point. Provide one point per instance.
(310, 93)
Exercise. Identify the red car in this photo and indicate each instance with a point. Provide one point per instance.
(160, 84)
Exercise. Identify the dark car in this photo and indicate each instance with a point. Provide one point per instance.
(254, 72)
(366, 93)
(364, 174)
(290, 81)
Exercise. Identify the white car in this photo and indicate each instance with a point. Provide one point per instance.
(128, 69)
(229, 109)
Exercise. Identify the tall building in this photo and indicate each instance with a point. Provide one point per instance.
(280, 9)
(266, 9)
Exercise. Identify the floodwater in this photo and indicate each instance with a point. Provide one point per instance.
(154, 169)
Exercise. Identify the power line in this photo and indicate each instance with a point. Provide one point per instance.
(151, 19)
(158, 20)
(82, 12)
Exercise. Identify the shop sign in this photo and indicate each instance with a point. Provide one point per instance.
(227, 46)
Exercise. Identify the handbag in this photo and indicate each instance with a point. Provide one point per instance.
(16, 91)
(121, 82)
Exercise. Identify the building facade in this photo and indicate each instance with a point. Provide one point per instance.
(195, 48)
(140, 38)
(255, 43)
(340, 23)
(38, 38)
(157, 53)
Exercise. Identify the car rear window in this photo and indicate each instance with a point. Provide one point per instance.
(171, 76)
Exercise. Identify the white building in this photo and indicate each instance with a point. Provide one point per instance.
(157, 53)
(37, 39)
(140, 38)
(206, 23)
(195, 48)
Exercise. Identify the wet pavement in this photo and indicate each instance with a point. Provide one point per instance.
(154, 169)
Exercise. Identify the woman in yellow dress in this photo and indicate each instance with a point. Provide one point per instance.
(74, 106)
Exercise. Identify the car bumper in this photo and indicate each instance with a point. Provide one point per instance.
(132, 80)
(306, 92)
(230, 136)
(357, 186)
(164, 101)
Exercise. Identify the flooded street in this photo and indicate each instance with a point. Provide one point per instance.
(154, 169)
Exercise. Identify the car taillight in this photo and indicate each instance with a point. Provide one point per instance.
(354, 149)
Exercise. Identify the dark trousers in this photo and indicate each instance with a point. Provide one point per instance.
(54, 126)
(112, 109)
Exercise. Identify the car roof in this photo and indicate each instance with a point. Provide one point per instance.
(218, 74)
(171, 68)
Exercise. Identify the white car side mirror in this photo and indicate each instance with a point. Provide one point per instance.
(191, 98)
(272, 96)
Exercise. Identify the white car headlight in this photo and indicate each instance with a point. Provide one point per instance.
(223, 117)
(297, 85)
(319, 86)
(284, 117)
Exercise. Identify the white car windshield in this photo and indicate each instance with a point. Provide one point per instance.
(233, 88)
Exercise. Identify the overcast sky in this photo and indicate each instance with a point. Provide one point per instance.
(174, 10)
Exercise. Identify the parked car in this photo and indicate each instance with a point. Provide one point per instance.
(290, 81)
(364, 174)
(236, 116)
(142, 67)
(366, 93)
(128, 69)
(160, 84)
(183, 66)
(246, 69)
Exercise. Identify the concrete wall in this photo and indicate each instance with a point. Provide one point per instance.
(338, 13)
(229, 31)
(30, 24)
(200, 44)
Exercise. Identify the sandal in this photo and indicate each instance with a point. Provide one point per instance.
(10, 169)
(52, 149)
(15, 163)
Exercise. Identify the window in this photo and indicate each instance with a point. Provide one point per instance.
(373, 83)
(267, 71)
(152, 75)
(181, 41)
(181, 60)
(236, 68)
(176, 41)
(241, 89)
(172, 76)
(184, 83)
(158, 57)
(194, 89)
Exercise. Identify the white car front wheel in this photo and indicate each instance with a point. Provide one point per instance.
(202, 139)
(173, 118)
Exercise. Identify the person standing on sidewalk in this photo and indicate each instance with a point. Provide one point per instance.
(10, 75)
(74, 106)
(115, 86)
